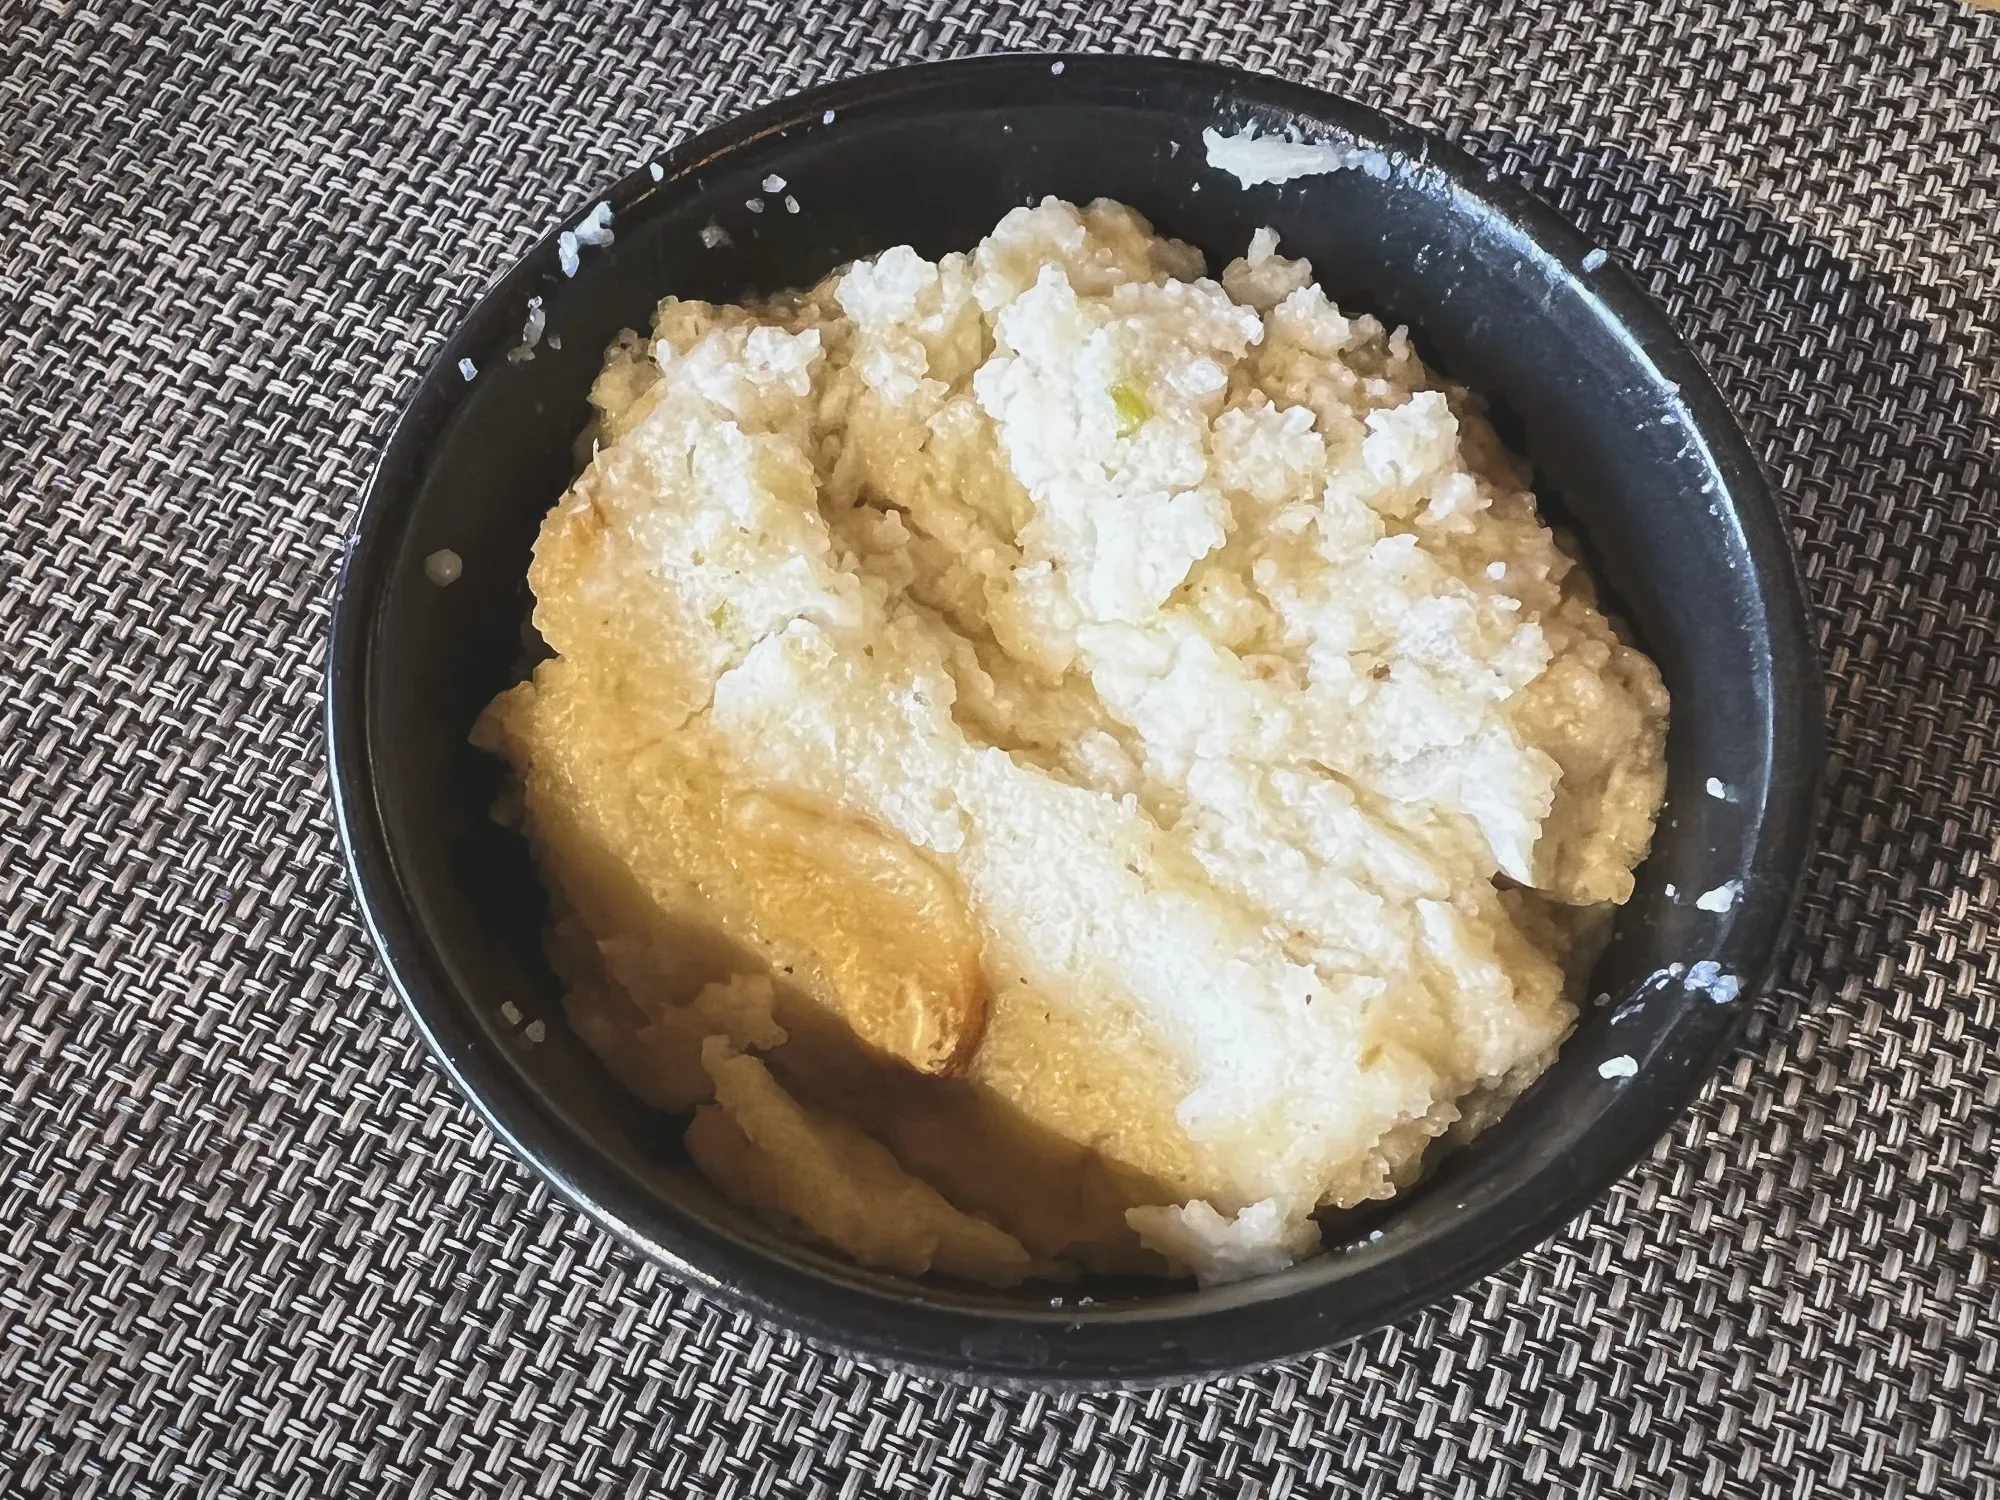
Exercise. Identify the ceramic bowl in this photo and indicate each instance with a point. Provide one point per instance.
(1633, 449)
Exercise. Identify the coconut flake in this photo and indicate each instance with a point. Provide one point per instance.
(1721, 898)
(531, 333)
(1711, 979)
(1621, 1066)
(1218, 1250)
(467, 370)
(1595, 260)
(1252, 159)
(594, 228)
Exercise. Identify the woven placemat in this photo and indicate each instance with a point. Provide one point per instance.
(250, 1242)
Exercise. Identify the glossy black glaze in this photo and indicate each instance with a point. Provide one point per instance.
(1631, 444)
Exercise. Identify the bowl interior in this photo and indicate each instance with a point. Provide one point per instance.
(1631, 447)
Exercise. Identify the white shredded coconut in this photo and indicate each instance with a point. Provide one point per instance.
(566, 254)
(1056, 68)
(443, 566)
(467, 369)
(594, 228)
(1496, 570)
(713, 235)
(531, 333)
(1721, 898)
(1710, 977)
(791, 204)
(1618, 1067)
(1595, 260)
(510, 1013)
(755, 205)
(1720, 790)
(774, 183)
(1259, 1240)
(1252, 159)
(534, 1031)
(657, 170)
(827, 118)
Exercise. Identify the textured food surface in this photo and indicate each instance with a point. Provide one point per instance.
(257, 1244)
(1122, 691)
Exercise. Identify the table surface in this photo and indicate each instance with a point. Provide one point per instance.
(251, 1242)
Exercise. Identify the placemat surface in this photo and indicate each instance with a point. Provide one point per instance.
(250, 1242)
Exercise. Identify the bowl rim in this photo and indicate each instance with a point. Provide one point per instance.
(1066, 1346)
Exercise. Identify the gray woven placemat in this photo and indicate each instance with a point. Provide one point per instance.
(251, 1243)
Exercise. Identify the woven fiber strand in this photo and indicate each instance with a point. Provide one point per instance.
(251, 1244)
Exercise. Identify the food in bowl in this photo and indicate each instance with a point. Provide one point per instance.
(1064, 764)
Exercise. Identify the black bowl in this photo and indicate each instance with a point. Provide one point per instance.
(1632, 447)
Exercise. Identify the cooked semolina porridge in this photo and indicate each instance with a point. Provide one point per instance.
(1059, 763)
